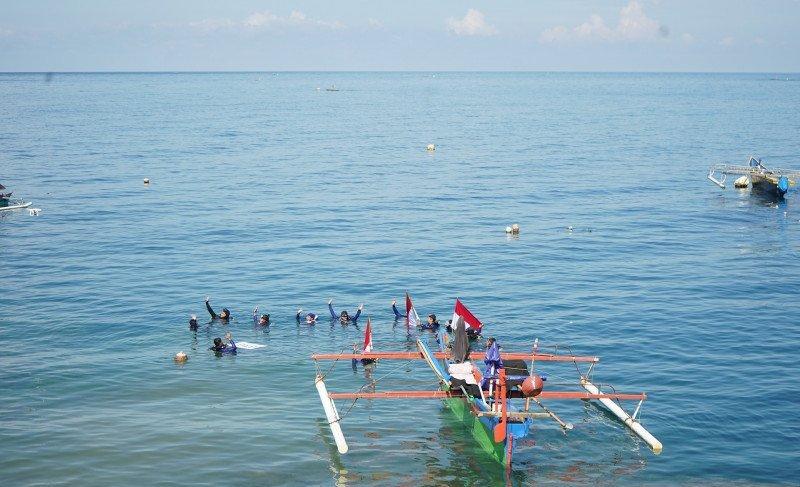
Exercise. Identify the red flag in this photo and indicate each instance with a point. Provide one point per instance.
(412, 318)
(368, 337)
(469, 318)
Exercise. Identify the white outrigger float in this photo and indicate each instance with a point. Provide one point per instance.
(760, 178)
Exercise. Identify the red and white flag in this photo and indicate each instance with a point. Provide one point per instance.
(461, 311)
(412, 318)
(368, 337)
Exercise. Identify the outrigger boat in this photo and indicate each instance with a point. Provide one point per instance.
(761, 178)
(484, 403)
(7, 204)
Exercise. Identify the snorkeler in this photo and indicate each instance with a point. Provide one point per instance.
(311, 318)
(219, 347)
(397, 314)
(260, 321)
(193, 323)
(344, 318)
(225, 315)
(432, 323)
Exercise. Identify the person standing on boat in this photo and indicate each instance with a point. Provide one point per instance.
(260, 321)
(344, 318)
(311, 318)
(224, 316)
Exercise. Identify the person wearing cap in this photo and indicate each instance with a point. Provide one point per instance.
(224, 315)
(260, 321)
(432, 323)
(193, 323)
(311, 318)
(344, 318)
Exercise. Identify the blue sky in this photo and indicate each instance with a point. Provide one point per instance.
(570, 35)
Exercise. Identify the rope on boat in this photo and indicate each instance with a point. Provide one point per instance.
(330, 369)
(371, 384)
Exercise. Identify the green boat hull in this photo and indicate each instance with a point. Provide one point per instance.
(485, 438)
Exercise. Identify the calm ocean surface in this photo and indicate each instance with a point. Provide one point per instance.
(267, 191)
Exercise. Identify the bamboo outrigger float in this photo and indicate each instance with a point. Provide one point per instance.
(484, 402)
(771, 181)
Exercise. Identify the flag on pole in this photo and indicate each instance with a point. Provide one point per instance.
(412, 318)
(368, 337)
(470, 320)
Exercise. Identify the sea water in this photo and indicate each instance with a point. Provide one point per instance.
(266, 189)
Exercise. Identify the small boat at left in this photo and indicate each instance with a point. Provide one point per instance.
(8, 204)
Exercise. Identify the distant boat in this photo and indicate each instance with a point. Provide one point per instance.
(332, 88)
(762, 179)
(7, 204)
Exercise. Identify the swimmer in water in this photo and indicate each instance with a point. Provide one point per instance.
(311, 318)
(263, 320)
(344, 318)
(397, 314)
(432, 323)
(224, 315)
(220, 348)
(193, 323)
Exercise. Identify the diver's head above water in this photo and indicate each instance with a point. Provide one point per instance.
(431, 319)
(264, 320)
(225, 314)
(344, 317)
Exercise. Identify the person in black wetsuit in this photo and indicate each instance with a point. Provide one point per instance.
(193, 323)
(223, 316)
(344, 318)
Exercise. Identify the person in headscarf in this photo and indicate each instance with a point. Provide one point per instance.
(224, 315)
(263, 320)
(460, 342)
(344, 318)
(311, 318)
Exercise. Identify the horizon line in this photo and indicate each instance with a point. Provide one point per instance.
(259, 71)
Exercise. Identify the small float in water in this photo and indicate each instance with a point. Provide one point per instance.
(762, 179)
(8, 204)
(332, 88)
(483, 401)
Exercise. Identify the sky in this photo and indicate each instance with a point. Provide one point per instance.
(379, 35)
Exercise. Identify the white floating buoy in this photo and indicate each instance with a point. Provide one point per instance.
(741, 182)
(146, 180)
(569, 228)
(431, 147)
(508, 229)
(181, 357)
(515, 229)
(34, 211)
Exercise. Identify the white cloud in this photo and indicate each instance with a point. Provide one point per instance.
(265, 20)
(687, 38)
(759, 41)
(6, 32)
(633, 25)
(375, 23)
(726, 41)
(473, 24)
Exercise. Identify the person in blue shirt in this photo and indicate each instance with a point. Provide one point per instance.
(224, 315)
(344, 318)
(311, 318)
(220, 347)
(260, 321)
(432, 323)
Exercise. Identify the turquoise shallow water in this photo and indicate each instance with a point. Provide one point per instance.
(268, 191)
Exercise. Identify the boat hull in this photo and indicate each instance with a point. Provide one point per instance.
(482, 428)
(768, 185)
